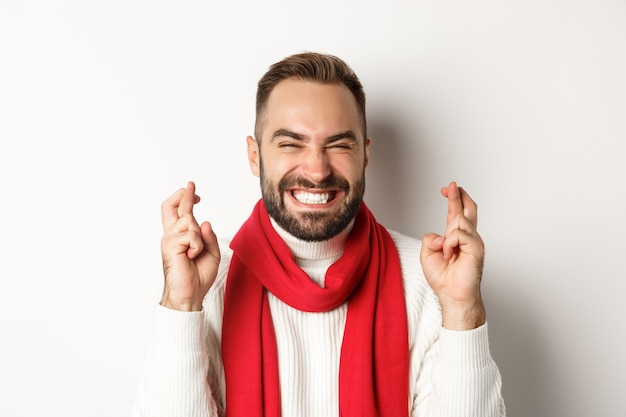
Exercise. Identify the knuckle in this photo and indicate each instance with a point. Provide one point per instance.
(193, 237)
(188, 219)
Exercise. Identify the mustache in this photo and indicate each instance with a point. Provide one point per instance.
(331, 182)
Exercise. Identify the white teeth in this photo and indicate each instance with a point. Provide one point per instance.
(311, 198)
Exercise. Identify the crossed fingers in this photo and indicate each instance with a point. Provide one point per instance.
(178, 205)
(461, 222)
(179, 224)
(460, 203)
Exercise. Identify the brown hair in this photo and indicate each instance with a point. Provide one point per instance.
(308, 66)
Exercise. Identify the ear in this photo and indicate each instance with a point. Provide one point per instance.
(253, 155)
(368, 142)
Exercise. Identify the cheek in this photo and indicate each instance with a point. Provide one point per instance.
(278, 166)
(275, 171)
(348, 167)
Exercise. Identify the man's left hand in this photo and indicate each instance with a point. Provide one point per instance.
(453, 263)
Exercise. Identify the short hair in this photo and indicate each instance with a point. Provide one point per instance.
(308, 66)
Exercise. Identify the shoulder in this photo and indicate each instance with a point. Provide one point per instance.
(406, 245)
(409, 253)
(423, 309)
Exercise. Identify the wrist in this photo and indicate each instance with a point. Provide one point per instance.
(466, 316)
(180, 305)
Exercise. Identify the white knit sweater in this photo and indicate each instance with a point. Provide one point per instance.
(451, 372)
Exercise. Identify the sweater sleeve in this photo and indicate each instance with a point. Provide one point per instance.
(464, 380)
(452, 373)
(175, 376)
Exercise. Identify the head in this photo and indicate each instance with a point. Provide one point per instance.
(308, 66)
(311, 146)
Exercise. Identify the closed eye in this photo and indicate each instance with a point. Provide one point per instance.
(289, 144)
(341, 145)
(343, 141)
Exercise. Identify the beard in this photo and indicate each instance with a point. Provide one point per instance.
(312, 226)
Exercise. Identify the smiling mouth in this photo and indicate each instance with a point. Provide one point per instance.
(306, 197)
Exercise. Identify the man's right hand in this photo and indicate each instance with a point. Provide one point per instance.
(190, 252)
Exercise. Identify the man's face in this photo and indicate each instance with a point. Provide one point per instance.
(311, 158)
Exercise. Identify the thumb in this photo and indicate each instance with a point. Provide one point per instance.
(210, 240)
(431, 243)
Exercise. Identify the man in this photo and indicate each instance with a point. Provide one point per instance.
(313, 308)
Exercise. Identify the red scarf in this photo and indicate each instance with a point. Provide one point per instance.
(374, 364)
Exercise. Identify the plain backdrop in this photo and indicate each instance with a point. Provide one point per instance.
(106, 108)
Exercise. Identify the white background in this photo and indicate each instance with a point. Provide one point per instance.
(106, 108)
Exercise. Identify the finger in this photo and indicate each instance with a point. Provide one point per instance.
(209, 238)
(209, 245)
(432, 246)
(462, 241)
(460, 222)
(196, 244)
(455, 204)
(169, 209)
(185, 223)
(188, 242)
(470, 208)
(188, 200)
(432, 242)
(459, 201)
(451, 244)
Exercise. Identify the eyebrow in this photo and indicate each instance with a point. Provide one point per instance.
(348, 134)
(288, 133)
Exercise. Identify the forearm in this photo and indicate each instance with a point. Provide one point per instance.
(175, 377)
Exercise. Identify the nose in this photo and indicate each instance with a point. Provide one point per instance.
(316, 166)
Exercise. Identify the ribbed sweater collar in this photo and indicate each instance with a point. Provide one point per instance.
(308, 253)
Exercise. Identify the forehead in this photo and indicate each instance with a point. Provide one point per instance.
(312, 107)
